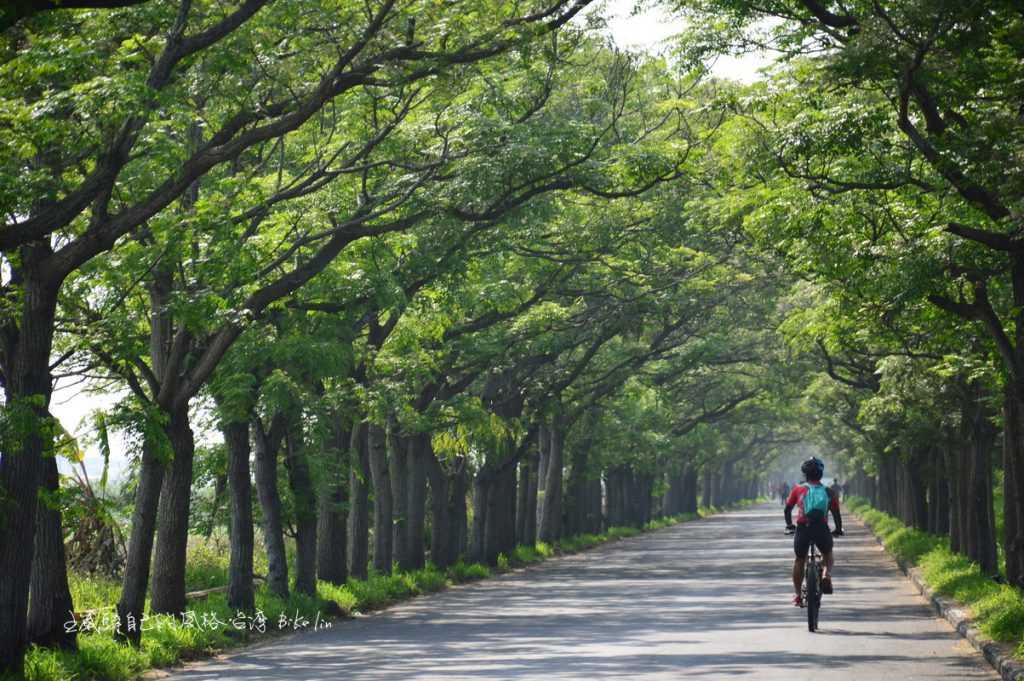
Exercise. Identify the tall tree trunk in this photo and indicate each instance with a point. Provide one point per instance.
(304, 502)
(168, 593)
(595, 519)
(241, 595)
(522, 492)
(420, 450)
(917, 487)
(708, 483)
(398, 461)
(50, 603)
(942, 488)
(332, 539)
(981, 529)
(543, 444)
(28, 388)
(550, 529)
(477, 540)
(448, 539)
(441, 538)
(458, 483)
(530, 511)
(135, 580)
(672, 503)
(496, 531)
(359, 514)
(382, 500)
(618, 483)
(689, 504)
(267, 445)
(578, 506)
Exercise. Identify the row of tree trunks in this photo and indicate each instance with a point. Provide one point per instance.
(493, 532)
(628, 497)
(583, 500)
(948, 489)
(448, 536)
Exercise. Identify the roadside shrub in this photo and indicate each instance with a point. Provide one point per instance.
(340, 595)
(463, 572)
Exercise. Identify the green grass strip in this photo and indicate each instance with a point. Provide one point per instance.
(997, 609)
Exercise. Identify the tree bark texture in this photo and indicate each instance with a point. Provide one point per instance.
(550, 529)
(689, 504)
(398, 462)
(981, 539)
(29, 388)
(359, 513)
(522, 491)
(267, 446)
(50, 604)
(530, 511)
(420, 450)
(168, 593)
(241, 594)
(135, 581)
(382, 499)
(304, 500)
(332, 539)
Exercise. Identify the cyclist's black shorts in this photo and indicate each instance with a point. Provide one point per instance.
(814, 532)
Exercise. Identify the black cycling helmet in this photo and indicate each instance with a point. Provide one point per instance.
(813, 468)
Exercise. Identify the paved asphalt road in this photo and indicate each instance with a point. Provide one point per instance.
(702, 600)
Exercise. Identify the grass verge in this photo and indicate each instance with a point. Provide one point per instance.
(997, 609)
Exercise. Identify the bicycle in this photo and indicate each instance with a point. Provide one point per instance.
(811, 590)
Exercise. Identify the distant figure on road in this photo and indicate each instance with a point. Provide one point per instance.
(837, 489)
(783, 492)
(814, 501)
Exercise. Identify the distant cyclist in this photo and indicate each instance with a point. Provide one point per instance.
(814, 502)
(837, 489)
(783, 492)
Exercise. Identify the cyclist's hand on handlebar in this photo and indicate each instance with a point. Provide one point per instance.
(838, 532)
(790, 529)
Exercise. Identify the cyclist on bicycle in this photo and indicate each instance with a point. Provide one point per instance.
(812, 523)
(783, 492)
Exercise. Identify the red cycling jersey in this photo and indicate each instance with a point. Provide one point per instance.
(796, 498)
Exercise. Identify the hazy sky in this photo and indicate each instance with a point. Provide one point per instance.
(647, 30)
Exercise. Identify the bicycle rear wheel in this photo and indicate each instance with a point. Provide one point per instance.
(813, 597)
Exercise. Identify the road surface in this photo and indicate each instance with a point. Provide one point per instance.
(703, 600)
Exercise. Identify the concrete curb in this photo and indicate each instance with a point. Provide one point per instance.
(999, 655)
